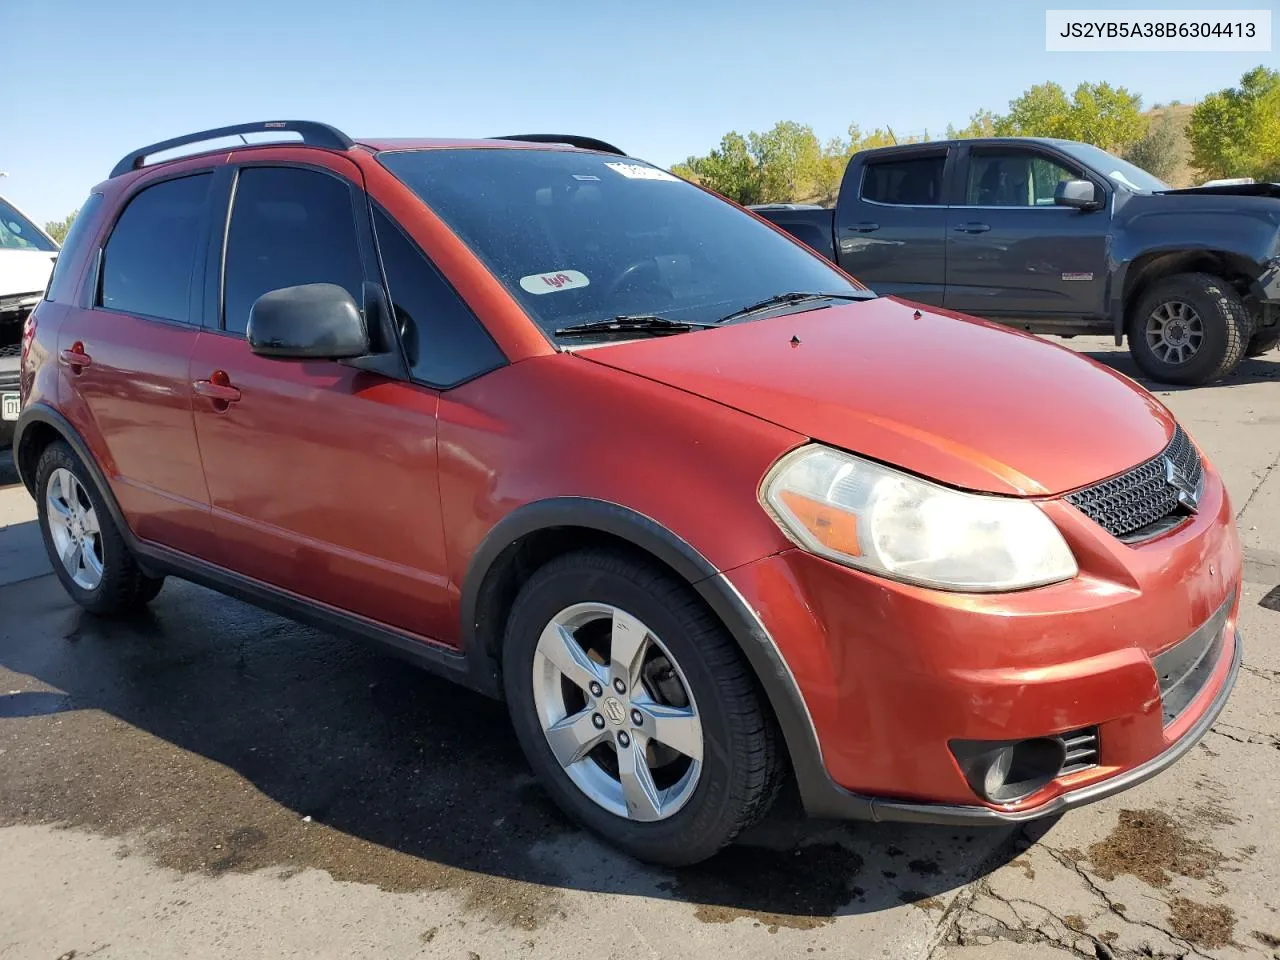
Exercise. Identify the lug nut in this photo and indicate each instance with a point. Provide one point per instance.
(624, 740)
(596, 689)
(597, 721)
(637, 718)
(619, 686)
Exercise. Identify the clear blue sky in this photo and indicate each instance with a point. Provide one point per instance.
(91, 80)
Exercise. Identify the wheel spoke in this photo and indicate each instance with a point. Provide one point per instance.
(575, 736)
(91, 521)
(627, 647)
(677, 727)
(72, 556)
(638, 788)
(59, 507)
(560, 647)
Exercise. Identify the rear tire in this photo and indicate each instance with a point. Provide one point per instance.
(1189, 329)
(740, 766)
(88, 553)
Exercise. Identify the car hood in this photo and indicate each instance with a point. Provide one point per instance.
(24, 271)
(952, 398)
(1228, 190)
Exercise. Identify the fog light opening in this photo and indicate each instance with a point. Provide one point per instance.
(1008, 772)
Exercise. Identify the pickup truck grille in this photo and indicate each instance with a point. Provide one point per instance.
(11, 350)
(1142, 502)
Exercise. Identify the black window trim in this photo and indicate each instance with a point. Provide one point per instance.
(375, 207)
(946, 151)
(1036, 149)
(195, 308)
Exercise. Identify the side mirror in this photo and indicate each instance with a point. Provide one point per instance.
(313, 321)
(1081, 194)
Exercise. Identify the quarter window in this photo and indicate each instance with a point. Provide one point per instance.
(914, 181)
(62, 283)
(1015, 179)
(443, 341)
(149, 261)
(288, 227)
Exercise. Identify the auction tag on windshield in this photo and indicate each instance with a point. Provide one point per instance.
(638, 171)
(554, 282)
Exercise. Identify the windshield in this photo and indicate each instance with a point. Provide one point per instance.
(579, 236)
(1118, 171)
(19, 233)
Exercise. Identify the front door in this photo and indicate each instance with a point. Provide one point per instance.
(123, 362)
(322, 476)
(1012, 253)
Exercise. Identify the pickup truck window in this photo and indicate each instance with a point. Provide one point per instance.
(1118, 171)
(1014, 178)
(909, 181)
(578, 236)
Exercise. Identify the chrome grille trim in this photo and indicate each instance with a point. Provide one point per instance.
(1140, 503)
(1082, 750)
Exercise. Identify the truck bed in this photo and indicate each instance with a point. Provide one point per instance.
(812, 226)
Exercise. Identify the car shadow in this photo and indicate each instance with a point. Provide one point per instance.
(273, 745)
(1251, 370)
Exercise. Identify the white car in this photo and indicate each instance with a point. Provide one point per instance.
(26, 260)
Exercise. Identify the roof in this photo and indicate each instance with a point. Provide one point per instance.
(983, 141)
(450, 143)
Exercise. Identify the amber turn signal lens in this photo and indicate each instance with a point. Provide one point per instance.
(834, 528)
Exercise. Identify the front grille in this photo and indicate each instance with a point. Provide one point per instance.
(11, 350)
(1185, 667)
(1141, 503)
(1082, 750)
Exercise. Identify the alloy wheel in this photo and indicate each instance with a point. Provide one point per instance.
(73, 527)
(617, 712)
(1174, 332)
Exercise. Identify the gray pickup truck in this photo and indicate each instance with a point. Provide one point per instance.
(1059, 237)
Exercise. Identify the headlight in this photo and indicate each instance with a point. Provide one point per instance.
(869, 516)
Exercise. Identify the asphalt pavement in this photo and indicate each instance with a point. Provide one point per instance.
(209, 780)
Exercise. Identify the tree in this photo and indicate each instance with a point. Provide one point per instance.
(1158, 151)
(981, 124)
(1098, 113)
(788, 156)
(58, 228)
(1236, 132)
(730, 170)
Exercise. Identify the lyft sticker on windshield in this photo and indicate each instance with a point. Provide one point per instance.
(638, 171)
(554, 281)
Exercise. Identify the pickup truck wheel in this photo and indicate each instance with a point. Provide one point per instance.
(635, 708)
(1189, 329)
(85, 548)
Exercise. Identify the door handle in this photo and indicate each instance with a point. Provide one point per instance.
(862, 227)
(972, 227)
(217, 388)
(75, 358)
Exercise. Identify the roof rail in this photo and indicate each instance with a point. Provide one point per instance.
(573, 140)
(313, 134)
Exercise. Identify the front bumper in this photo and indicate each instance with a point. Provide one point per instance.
(890, 674)
(8, 384)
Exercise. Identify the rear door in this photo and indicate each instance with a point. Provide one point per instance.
(1012, 253)
(322, 475)
(123, 360)
(891, 223)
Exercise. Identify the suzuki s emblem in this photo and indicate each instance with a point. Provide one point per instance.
(1188, 496)
(614, 708)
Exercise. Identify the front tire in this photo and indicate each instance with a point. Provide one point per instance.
(85, 547)
(635, 708)
(1189, 329)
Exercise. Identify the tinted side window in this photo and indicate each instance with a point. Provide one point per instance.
(67, 267)
(288, 227)
(1014, 179)
(443, 341)
(149, 260)
(916, 181)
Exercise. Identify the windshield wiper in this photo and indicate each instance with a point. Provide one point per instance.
(630, 323)
(782, 299)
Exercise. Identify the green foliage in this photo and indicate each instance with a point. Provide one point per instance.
(981, 124)
(1098, 113)
(1158, 151)
(58, 228)
(1236, 132)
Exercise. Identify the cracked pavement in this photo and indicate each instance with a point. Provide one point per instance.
(214, 781)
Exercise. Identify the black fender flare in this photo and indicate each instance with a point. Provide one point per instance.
(716, 590)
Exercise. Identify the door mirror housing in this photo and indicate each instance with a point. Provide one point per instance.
(312, 321)
(1081, 194)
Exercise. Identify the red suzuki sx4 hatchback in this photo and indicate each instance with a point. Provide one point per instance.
(707, 513)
